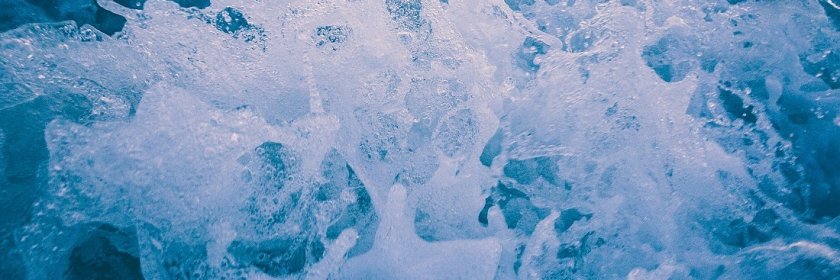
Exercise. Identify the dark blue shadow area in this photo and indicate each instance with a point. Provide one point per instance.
(14, 13)
(105, 252)
(25, 153)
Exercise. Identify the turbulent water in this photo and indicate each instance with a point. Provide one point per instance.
(420, 139)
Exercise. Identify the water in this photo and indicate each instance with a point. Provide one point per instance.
(420, 139)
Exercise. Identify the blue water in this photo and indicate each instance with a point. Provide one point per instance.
(419, 139)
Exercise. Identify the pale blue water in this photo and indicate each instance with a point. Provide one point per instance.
(419, 139)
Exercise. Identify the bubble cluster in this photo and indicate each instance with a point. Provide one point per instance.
(420, 139)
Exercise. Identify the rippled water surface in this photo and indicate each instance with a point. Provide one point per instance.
(419, 139)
